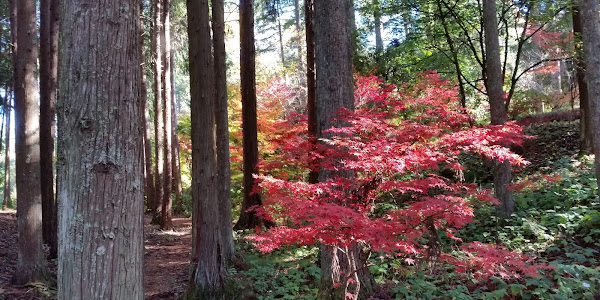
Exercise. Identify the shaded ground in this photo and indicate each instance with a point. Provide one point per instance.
(166, 258)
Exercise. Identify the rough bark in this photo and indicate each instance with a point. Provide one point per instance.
(222, 122)
(167, 202)
(585, 136)
(311, 86)
(207, 257)
(100, 164)
(335, 89)
(6, 196)
(31, 265)
(248, 219)
(590, 34)
(49, 12)
(158, 111)
(494, 83)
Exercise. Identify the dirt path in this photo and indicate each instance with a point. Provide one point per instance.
(166, 258)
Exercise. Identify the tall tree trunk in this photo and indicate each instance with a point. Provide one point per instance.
(145, 123)
(590, 33)
(175, 142)
(335, 90)
(248, 219)
(158, 111)
(494, 83)
(280, 32)
(207, 256)
(31, 265)
(49, 12)
(299, 40)
(167, 202)
(222, 122)
(100, 166)
(378, 37)
(6, 197)
(585, 126)
(311, 86)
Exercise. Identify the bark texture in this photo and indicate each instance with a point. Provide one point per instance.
(31, 263)
(159, 140)
(590, 34)
(166, 222)
(494, 83)
(207, 260)
(585, 136)
(335, 89)
(100, 164)
(248, 219)
(49, 12)
(222, 122)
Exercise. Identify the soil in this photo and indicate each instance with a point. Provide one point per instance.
(166, 257)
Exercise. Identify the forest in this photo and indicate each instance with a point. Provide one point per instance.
(300, 149)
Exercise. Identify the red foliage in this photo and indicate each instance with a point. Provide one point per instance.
(394, 149)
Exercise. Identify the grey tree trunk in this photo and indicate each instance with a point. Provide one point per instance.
(377, 19)
(6, 196)
(494, 83)
(585, 136)
(31, 264)
(100, 166)
(49, 12)
(207, 257)
(175, 142)
(222, 122)
(335, 89)
(590, 34)
(158, 111)
(167, 202)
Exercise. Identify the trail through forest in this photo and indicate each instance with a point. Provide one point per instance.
(166, 257)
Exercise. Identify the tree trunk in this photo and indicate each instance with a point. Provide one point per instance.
(248, 219)
(494, 83)
(378, 37)
(311, 87)
(100, 164)
(31, 265)
(175, 141)
(590, 34)
(222, 122)
(145, 124)
(49, 12)
(167, 202)
(158, 112)
(207, 257)
(13, 50)
(299, 40)
(335, 89)
(585, 126)
(6, 197)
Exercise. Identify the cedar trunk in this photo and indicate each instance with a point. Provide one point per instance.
(207, 258)
(31, 265)
(222, 122)
(48, 83)
(335, 90)
(590, 33)
(158, 111)
(585, 137)
(100, 165)
(248, 218)
(167, 202)
(494, 83)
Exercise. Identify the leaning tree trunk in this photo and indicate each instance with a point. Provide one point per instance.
(100, 166)
(494, 83)
(222, 122)
(158, 111)
(343, 270)
(590, 33)
(48, 83)
(248, 217)
(31, 265)
(207, 258)
(585, 136)
(167, 202)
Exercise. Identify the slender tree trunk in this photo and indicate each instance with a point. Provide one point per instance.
(175, 143)
(158, 112)
(590, 33)
(343, 270)
(167, 202)
(48, 83)
(248, 219)
(207, 257)
(585, 138)
(222, 122)
(299, 40)
(6, 197)
(311, 85)
(145, 124)
(378, 37)
(100, 166)
(31, 265)
(494, 83)
(281, 48)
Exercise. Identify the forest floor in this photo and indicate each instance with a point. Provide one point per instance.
(166, 257)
